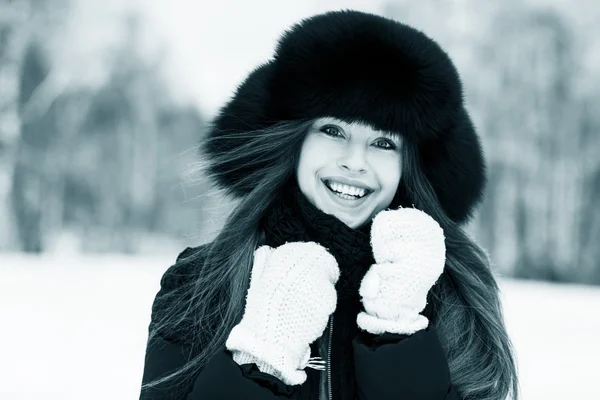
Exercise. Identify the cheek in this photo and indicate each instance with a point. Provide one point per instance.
(313, 155)
(310, 161)
(389, 171)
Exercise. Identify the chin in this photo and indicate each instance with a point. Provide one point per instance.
(354, 224)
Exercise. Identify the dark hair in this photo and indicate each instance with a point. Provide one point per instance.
(468, 314)
(466, 301)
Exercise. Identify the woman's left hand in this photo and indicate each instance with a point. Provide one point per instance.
(410, 253)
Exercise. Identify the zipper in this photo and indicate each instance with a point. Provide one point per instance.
(329, 357)
(327, 363)
(318, 363)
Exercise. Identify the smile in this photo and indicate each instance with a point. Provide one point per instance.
(344, 199)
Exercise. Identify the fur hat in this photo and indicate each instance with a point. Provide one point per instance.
(360, 67)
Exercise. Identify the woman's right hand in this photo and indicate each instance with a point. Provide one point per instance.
(288, 304)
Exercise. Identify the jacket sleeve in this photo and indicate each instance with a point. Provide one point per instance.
(391, 366)
(221, 377)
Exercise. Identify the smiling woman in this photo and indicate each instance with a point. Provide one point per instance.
(314, 289)
(349, 170)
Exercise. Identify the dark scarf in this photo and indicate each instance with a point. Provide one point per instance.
(294, 218)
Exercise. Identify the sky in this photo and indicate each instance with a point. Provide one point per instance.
(207, 48)
(215, 44)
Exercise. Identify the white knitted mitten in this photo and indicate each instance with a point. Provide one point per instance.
(410, 253)
(288, 304)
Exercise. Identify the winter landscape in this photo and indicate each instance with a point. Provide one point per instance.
(103, 101)
(74, 329)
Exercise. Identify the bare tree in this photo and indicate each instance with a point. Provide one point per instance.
(534, 135)
(14, 34)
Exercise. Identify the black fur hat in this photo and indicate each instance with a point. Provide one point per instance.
(360, 67)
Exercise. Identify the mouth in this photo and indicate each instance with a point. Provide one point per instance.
(344, 197)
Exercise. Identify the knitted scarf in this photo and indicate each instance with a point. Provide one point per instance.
(294, 218)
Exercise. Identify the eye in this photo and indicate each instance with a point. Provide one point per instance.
(333, 131)
(329, 128)
(390, 145)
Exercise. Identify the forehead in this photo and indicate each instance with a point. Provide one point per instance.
(354, 126)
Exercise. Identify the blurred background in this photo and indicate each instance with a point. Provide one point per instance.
(103, 101)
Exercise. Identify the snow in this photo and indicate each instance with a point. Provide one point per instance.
(75, 327)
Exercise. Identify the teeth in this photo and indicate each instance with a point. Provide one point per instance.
(350, 190)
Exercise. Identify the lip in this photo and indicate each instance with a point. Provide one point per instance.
(343, 202)
(348, 181)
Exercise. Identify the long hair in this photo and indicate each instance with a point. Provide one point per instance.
(469, 319)
(468, 313)
(205, 310)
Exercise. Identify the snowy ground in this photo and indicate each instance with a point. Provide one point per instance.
(75, 328)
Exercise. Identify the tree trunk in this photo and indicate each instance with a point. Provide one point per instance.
(14, 34)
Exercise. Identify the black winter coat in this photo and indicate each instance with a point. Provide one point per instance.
(359, 365)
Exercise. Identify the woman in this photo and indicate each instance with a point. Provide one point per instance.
(343, 272)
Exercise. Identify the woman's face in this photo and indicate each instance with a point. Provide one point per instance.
(364, 164)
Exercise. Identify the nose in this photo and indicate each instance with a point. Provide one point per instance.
(353, 163)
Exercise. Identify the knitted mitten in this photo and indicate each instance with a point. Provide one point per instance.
(290, 298)
(410, 253)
